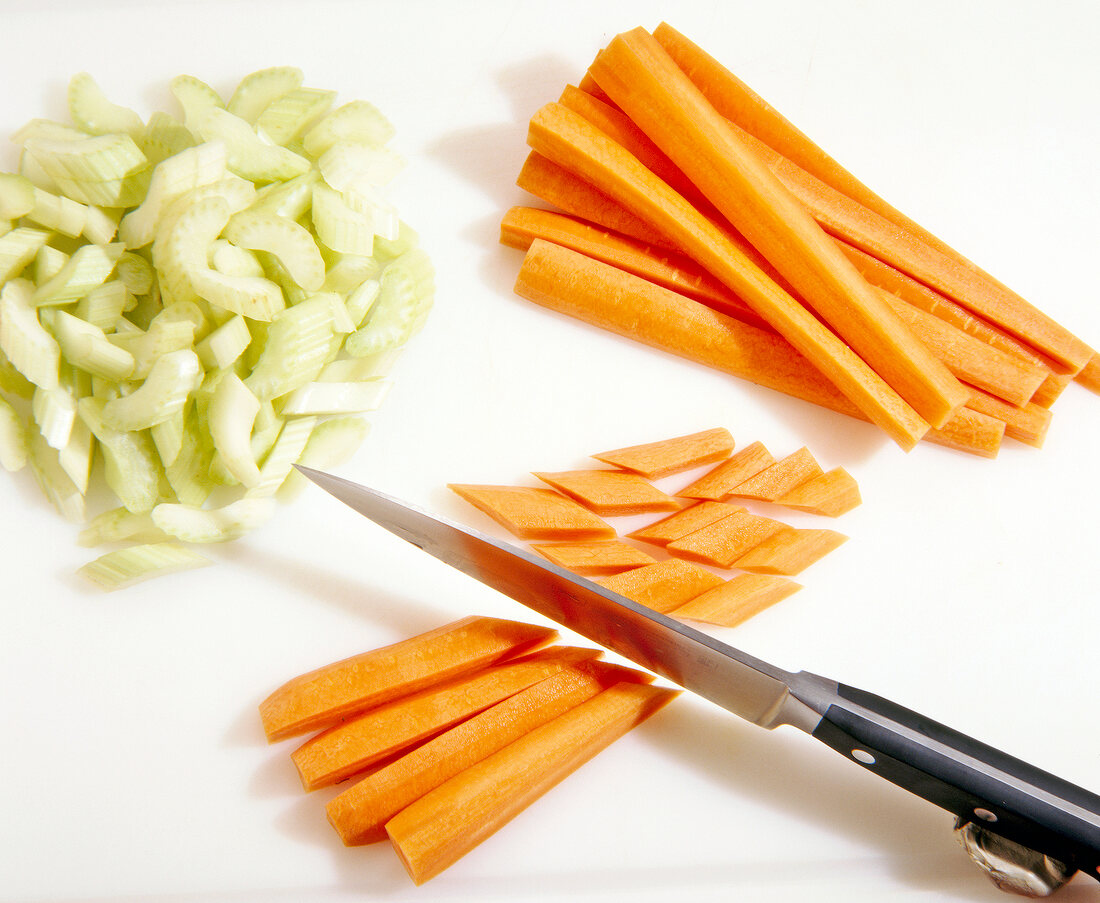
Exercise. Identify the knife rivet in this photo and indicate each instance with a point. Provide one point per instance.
(861, 755)
(985, 815)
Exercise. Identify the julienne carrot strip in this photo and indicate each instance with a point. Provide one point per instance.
(1089, 377)
(685, 521)
(648, 86)
(599, 557)
(737, 600)
(735, 100)
(442, 826)
(783, 476)
(720, 481)
(663, 586)
(655, 460)
(531, 512)
(1028, 424)
(575, 144)
(610, 493)
(604, 296)
(330, 694)
(721, 543)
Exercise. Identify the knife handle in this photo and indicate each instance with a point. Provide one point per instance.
(975, 782)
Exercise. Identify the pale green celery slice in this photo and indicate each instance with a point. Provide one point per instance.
(55, 483)
(168, 436)
(17, 249)
(352, 165)
(164, 137)
(366, 200)
(12, 381)
(13, 438)
(291, 243)
(172, 178)
(339, 226)
(356, 369)
(86, 346)
(297, 347)
(131, 466)
(287, 449)
(48, 262)
(88, 267)
(258, 90)
(137, 273)
(331, 443)
(100, 225)
(188, 473)
(172, 329)
(274, 270)
(290, 199)
(342, 322)
(250, 296)
(265, 431)
(232, 411)
(16, 195)
(94, 113)
(76, 457)
(187, 245)
(336, 398)
(403, 303)
(103, 305)
(58, 213)
(119, 525)
(54, 411)
(163, 393)
(361, 300)
(229, 260)
(293, 113)
(23, 339)
(208, 525)
(100, 158)
(5, 227)
(248, 155)
(51, 129)
(225, 344)
(357, 120)
(125, 567)
(125, 192)
(196, 98)
(346, 272)
(387, 250)
(236, 192)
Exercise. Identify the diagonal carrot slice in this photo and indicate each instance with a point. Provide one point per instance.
(683, 522)
(535, 513)
(790, 551)
(724, 541)
(654, 460)
(780, 478)
(610, 492)
(737, 600)
(663, 586)
(830, 494)
(597, 557)
(723, 479)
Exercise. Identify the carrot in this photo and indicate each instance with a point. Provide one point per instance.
(830, 494)
(439, 828)
(620, 302)
(597, 557)
(1089, 377)
(522, 225)
(737, 600)
(683, 522)
(348, 748)
(662, 586)
(790, 551)
(655, 460)
(723, 542)
(779, 479)
(1028, 424)
(340, 690)
(645, 82)
(360, 813)
(574, 143)
(610, 492)
(736, 101)
(719, 482)
(534, 513)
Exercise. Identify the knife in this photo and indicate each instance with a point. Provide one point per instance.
(1030, 831)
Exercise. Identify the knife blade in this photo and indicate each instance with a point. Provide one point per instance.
(1042, 823)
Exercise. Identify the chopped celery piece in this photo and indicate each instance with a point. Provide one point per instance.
(349, 271)
(162, 395)
(55, 483)
(349, 165)
(119, 525)
(104, 304)
(195, 98)
(251, 296)
(361, 300)
(16, 195)
(290, 115)
(168, 436)
(358, 120)
(88, 267)
(290, 199)
(297, 347)
(101, 158)
(94, 113)
(86, 346)
(131, 467)
(165, 334)
(229, 260)
(125, 567)
(357, 369)
(187, 245)
(13, 438)
(76, 457)
(18, 248)
(54, 410)
(225, 344)
(249, 156)
(100, 225)
(58, 213)
(291, 243)
(330, 444)
(403, 303)
(24, 341)
(286, 450)
(341, 227)
(12, 381)
(188, 473)
(207, 525)
(336, 398)
(258, 90)
(48, 262)
(135, 272)
(164, 137)
(233, 410)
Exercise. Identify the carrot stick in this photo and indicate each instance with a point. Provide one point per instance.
(439, 828)
(610, 492)
(831, 494)
(737, 600)
(360, 813)
(789, 551)
(534, 513)
(663, 586)
(655, 460)
(599, 557)
(334, 692)
(559, 133)
(687, 520)
(1028, 424)
(721, 480)
(779, 479)
(721, 543)
(1089, 377)
(648, 86)
(348, 748)
(620, 302)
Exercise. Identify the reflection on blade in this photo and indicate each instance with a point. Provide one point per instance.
(746, 686)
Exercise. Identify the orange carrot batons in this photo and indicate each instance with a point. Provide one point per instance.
(830, 494)
(337, 691)
(611, 492)
(645, 82)
(663, 586)
(534, 513)
(737, 600)
(598, 557)
(654, 460)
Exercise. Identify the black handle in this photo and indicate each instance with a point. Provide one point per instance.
(975, 782)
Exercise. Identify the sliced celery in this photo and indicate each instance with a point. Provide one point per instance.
(16, 195)
(195, 98)
(361, 300)
(164, 137)
(233, 410)
(337, 398)
(291, 114)
(48, 262)
(125, 567)
(330, 444)
(349, 271)
(104, 304)
(13, 438)
(258, 90)
(207, 525)
(291, 243)
(58, 213)
(118, 525)
(86, 346)
(188, 473)
(162, 395)
(357, 120)
(225, 344)
(24, 341)
(297, 347)
(229, 260)
(187, 245)
(88, 267)
(54, 410)
(286, 450)
(94, 113)
(351, 165)
(55, 483)
(251, 296)
(290, 199)
(100, 225)
(135, 272)
(17, 249)
(131, 466)
(167, 435)
(76, 457)
(249, 156)
(403, 303)
(341, 227)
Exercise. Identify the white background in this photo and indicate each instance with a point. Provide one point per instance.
(132, 764)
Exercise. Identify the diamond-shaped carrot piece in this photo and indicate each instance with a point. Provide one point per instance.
(595, 557)
(611, 492)
(790, 551)
(779, 479)
(830, 494)
(720, 481)
(737, 600)
(724, 541)
(663, 586)
(654, 460)
(535, 513)
(684, 521)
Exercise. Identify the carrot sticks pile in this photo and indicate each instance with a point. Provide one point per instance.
(696, 219)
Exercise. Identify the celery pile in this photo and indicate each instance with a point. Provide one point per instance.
(199, 303)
